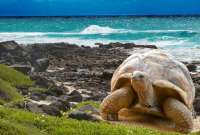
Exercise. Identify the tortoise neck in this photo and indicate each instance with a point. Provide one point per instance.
(145, 92)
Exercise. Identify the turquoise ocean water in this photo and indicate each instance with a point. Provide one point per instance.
(180, 36)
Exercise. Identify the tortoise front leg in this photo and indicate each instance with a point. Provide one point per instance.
(179, 114)
(121, 98)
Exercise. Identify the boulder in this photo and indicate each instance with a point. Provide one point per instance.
(61, 105)
(12, 53)
(9, 46)
(79, 115)
(89, 108)
(50, 110)
(75, 96)
(41, 80)
(37, 96)
(32, 107)
(41, 64)
(22, 68)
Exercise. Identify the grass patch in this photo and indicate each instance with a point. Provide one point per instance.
(7, 128)
(15, 78)
(81, 104)
(8, 93)
(15, 120)
(92, 103)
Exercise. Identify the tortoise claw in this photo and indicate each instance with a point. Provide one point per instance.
(112, 117)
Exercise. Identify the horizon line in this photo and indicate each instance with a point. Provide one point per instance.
(69, 16)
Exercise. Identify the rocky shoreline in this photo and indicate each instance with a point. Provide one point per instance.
(69, 74)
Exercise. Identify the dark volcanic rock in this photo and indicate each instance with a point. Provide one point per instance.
(37, 96)
(191, 67)
(82, 116)
(41, 64)
(51, 110)
(75, 96)
(12, 53)
(9, 46)
(61, 105)
(32, 107)
(41, 80)
(89, 108)
(22, 68)
(124, 45)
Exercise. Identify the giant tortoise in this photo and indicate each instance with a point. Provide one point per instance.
(153, 84)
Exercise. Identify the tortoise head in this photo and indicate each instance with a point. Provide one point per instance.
(139, 76)
(142, 85)
(140, 80)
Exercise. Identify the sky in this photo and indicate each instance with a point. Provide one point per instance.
(98, 7)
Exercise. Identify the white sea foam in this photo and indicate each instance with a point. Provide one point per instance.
(96, 29)
(165, 31)
(92, 29)
(159, 43)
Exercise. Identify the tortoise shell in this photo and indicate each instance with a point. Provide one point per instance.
(159, 66)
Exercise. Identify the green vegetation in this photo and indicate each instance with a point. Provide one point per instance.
(18, 122)
(8, 93)
(79, 105)
(15, 78)
(9, 80)
(92, 103)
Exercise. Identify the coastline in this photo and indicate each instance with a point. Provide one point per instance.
(70, 68)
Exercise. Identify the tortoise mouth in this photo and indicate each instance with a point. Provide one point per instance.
(153, 110)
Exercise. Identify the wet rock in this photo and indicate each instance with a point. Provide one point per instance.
(79, 115)
(75, 96)
(191, 67)
(41, 64)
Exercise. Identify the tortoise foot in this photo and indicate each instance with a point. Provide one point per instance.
(110, 116)
(179, 114)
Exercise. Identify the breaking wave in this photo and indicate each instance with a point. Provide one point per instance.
(96, 29)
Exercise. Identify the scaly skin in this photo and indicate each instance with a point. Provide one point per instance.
(179, 114)
(121, 98)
